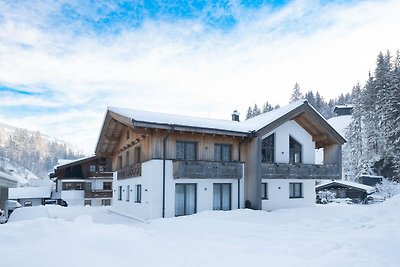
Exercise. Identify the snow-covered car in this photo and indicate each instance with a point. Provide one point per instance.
(12, 205)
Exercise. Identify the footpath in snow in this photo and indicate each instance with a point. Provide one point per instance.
(331, 235)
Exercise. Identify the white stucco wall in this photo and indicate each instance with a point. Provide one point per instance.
(282, 133)
(151, 181)
(278, 194)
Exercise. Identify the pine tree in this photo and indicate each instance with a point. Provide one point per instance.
(296, 93)
(249, 113)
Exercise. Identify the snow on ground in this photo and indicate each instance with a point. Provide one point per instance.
(329, 235)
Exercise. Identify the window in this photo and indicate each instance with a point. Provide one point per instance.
(107, 185)
(295, 190)
(120, 162)
(102, 168)
(138, 194)
(137, 155)
(88, 186)
(106, 202)
(127, 158)
(186, 150)
(127, 193)
(119, 192)
(268, 149)
(127, 134)
(79, 186)
(264, 191)
(294, 151)
(88, 202)
(92, 168)
(222, 197)
(67, 186)
(222, 152)
(185, 199)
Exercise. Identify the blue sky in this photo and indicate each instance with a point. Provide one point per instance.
(63, 62)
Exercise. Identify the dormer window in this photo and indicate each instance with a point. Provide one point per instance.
(294, 151)
(268, 149)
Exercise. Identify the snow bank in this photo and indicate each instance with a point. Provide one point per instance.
(328, 235)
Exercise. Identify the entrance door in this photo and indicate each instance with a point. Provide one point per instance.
(222, 197)
(185, 199)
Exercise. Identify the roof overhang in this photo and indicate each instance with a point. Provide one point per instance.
(115, 123)
(323, 134)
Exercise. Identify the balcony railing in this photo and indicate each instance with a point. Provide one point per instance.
(134, 170)
(207, 169)
(99, 174)
(299, 171)
(98, 194)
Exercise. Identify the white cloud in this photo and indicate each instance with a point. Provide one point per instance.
(187, 68)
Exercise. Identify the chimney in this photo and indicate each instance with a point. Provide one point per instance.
(235, 115)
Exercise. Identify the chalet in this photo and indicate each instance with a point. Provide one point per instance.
(6, 182)
(358, 193)
(86, 181)
(170, 165)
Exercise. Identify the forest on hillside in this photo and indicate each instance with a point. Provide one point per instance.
(373, 136)
(33, 151)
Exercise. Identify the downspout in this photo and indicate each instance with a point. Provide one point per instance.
(164, 156)
(240, 144)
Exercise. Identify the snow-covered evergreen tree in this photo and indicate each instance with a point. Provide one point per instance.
(296, 93)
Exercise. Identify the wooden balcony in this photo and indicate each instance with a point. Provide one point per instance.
(207, 169)
(98, 194)
(91, 175)
(299, 171)
(134, 170)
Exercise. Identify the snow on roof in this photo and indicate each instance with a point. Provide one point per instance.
(29, 192)
(367, 188)
(340, 123)
(246, 126)
(344, 106)
(8, 177)
(64, 162)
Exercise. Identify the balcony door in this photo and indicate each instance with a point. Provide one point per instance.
(222, 197)
(185, 199)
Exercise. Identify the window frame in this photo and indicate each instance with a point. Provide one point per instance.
(264, 191)
(220, 204)
(127, 193)
(292, 190)
(185, 150)
(106, 202)
(120, 192)
(268, 146)
(221, 147)
(106, 187)
(138, 193)
(92, 168)
(185, 185)
(293, 151)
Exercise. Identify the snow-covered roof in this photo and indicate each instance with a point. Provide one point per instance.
(340, 123)
(74, 161)
(7, 180)
(253, 124)
(29, 192)
(344, 106)
(300, 111)
(367, 188)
